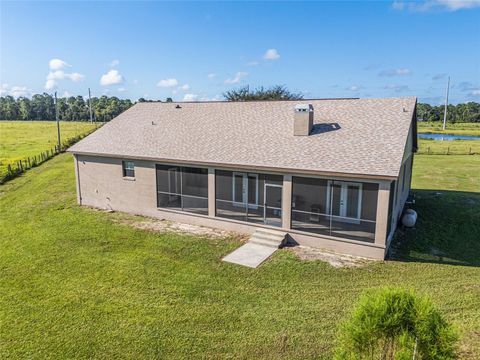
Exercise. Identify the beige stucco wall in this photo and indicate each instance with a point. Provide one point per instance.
(403, 185)
(100, 184)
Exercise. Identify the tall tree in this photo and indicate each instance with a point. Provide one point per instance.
(277, 92)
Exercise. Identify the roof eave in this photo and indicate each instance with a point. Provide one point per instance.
(240, 166)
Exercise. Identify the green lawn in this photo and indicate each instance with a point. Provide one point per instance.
(75, 283)
(22, 139)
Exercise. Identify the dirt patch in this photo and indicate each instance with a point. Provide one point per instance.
(170, 226)
(334, 259)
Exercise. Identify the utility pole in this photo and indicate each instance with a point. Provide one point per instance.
(58, 122)
(446, 105)
(90, 105)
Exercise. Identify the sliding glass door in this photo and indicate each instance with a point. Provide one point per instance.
(345, 201)
(249, 197)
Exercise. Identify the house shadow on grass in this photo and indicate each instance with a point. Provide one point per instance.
(447, 230)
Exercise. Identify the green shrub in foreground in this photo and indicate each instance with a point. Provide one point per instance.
(395, 324)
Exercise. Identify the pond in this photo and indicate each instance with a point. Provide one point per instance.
(443, 137)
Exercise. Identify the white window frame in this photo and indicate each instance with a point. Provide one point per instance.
(344, 196)
(245, 177)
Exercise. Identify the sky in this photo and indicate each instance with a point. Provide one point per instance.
(196, 51)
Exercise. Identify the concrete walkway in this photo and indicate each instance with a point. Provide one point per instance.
(261, 245)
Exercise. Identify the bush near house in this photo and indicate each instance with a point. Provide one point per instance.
(393, 324)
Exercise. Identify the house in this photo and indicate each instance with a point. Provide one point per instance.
(332, 173)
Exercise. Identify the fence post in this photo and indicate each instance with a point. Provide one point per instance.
(428, 152)
(9, 169)
(470, 151)
(448, 150)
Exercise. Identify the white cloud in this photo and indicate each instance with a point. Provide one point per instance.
(476, 92)
(112, 77)
(121, 89)
(66, 94)
(114, 63)
(398, 5)
(395, 72)
(397, 88)
(167, 83)
(15, 91)
(211, 75)
(4, 89)
(57, 64)
(252, 63)
(354, 88)
(50, 84)
(190, 97)
(271, 54)
(56, 73)
(236, 79)
(54, 76)
(185, 87)
(450, 5)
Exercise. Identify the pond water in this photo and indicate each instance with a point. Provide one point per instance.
(443, 137)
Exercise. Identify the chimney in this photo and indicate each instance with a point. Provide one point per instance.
(303, 120)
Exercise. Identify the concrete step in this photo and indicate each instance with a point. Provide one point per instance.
(262, 244)
(268, 237)
(250, 255)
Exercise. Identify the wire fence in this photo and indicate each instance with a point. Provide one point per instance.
(449, 150)
(21, 166)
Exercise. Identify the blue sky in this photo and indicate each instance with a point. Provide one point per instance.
(197, 50)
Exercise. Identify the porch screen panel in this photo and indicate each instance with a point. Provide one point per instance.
(364, 203)
(335, 208)
(182, 188)
(240, 196)
(229, 202)
(309, 205)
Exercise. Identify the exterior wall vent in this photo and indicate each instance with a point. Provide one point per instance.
(303, 119)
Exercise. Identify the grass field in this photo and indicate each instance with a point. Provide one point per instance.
(457, 128)
(76, 283)
(453, 147)
(22, 139)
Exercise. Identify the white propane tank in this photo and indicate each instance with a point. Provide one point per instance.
(409, 218)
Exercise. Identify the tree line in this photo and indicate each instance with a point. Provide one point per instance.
(466, 112)
(73, 108)
(105, 108)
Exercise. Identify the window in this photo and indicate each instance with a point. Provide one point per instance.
(249, 197)
(128, 168)
(182, 188)
(335, 208)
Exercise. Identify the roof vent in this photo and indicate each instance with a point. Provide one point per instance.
(303, 119)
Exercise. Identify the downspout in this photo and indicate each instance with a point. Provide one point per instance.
(79, 191)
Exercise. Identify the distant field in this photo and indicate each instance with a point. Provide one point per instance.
(22, 139)
(450, 147)
(457, 128)
(458, 147)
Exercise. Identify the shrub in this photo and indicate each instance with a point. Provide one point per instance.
(392, 323)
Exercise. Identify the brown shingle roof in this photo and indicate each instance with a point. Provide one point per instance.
(370, 139)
